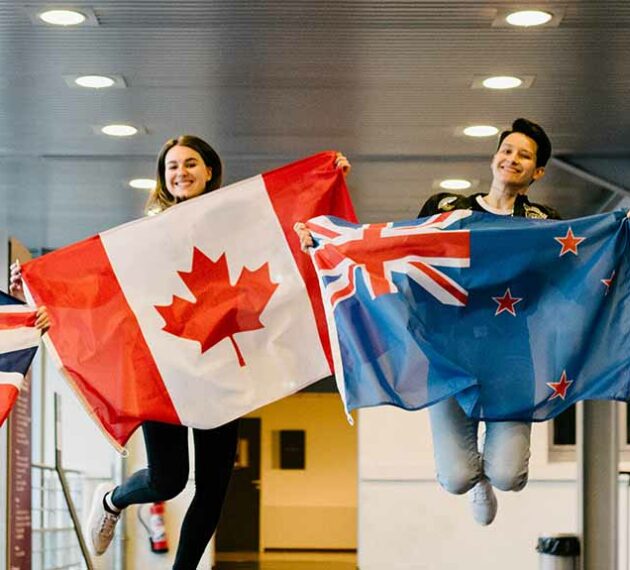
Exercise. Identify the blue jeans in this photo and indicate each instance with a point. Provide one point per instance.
(460, 465)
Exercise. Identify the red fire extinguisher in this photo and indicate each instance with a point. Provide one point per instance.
(156, 528)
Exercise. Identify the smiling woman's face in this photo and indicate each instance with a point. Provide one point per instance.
(185, 172)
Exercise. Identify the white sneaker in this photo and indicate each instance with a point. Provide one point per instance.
(102, 523)
(483, 502)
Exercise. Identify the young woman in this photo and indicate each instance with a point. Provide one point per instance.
(187, 167)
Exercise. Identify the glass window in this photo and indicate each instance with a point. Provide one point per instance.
(563, 435)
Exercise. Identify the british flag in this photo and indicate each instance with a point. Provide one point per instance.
(376, 251)
(19, 340)
(516, 318)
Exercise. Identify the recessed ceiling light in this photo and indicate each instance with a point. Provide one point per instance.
(119, 130)
(62, 17)
(527, 18)
(502, 82)
(142, 183)
(94, 81)
(455, 184)
(481, 131)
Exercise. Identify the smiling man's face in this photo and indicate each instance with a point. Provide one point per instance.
(514, 163)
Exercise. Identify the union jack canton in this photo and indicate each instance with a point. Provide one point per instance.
(377, 251)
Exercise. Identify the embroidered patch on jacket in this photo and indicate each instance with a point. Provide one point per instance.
(446, 204)
(534, 212)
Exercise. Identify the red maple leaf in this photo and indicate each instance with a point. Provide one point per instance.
(221, 309)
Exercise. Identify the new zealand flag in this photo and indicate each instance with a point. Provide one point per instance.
(19, 340)
(516, 318)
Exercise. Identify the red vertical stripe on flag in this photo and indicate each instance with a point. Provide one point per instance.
(305, 189)
(100, 343)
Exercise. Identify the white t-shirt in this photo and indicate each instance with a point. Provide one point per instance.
(492, 210)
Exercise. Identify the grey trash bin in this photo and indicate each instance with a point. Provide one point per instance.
(559, 552)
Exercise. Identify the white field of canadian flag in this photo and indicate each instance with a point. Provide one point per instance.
(199, 314)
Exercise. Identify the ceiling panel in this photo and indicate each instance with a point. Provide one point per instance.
(387, 82)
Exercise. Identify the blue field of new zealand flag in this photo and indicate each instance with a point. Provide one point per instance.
(516, 318)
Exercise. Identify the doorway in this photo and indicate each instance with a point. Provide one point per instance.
(239, 528)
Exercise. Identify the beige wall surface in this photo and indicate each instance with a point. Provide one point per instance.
(315, 507)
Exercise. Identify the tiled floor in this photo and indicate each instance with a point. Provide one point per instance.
(286, 561)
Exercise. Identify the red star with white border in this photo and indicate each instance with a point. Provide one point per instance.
(569, 243)
(608, 282)
(506, 303)
(560, 387)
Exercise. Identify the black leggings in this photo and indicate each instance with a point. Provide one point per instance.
(167, 474)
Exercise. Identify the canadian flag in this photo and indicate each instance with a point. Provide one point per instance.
(199, 314)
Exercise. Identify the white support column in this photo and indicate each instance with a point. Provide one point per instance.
(598, 464)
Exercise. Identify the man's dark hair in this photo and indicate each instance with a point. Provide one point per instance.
(534, 132)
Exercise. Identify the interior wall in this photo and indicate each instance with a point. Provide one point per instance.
(624, 203)
(314, 508)
(408, 522)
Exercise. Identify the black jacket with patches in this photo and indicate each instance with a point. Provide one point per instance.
(446, 201)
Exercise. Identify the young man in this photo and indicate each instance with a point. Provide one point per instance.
(519, 161)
